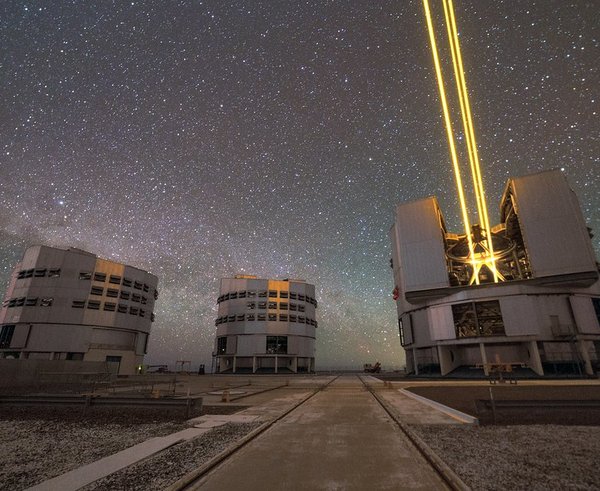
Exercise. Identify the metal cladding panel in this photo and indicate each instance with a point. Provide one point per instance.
(419, 237)
(441, 322)
(552, 225)
(519, 315)
(585, 315)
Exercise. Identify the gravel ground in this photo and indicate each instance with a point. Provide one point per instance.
(33, 450)
(156, 473)
(536, 457)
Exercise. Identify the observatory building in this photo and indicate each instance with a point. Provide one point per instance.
(265, 326)
(543, 315)
(68, 304)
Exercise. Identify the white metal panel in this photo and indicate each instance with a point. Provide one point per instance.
(585, 315)
(441, 323)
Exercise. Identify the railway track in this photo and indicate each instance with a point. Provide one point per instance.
(194, 479)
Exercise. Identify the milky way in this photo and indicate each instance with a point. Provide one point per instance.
(200, 139)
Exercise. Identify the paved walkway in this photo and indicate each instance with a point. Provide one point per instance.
(339, 439)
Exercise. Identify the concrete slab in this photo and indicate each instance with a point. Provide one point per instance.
(87, 474)
(340, 439)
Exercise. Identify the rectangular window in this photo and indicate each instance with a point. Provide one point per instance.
(20, 302)
(596, 304)
(251, 305)
(277, 345)
(152, 317)
(401, 330)
(226, 296)
(242, 294)
(111, 292)
(272, 317)
(272, 293)
(293, 318)
(97, 290)
(115, 280)
(144, 300)
(293, 307)
(220, 299)
(100, 277)
(12, 302)
(28, 273)
(155, 294)
(232, 295)
(250, 317)
(78, 304)
(300, 308)
(473, 319)
(262, 294)
(231, 318)
(133, 311)
(6, 334)
(135, 298)
(272, 305)
(85, 275)
(221, 345)
(261, 317)
(301, 319)
(127, 282)
(110, 306)
(46, 302)
(262, 305)
(283, 294)
(124, 295)
(122, 308)
(93, 304)
(54, 273)
(138, 285)
(251, 293)
(283, 317)
(146, 288)
(39, 273)
(283, 306)
(21, 274)
(31, 301)
(302, 298)
(293, 296)
(240, 317)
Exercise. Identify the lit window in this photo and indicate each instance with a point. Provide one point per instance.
(221, 345)
(93, 304)
(46, 302)
(100, 277)
(111, 292)
(97, 290)
(277, 345)
(115, 280)
(78, 304)
(110, 306)
(473, 319)
(85, 275)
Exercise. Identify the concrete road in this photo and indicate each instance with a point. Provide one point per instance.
(339, 439)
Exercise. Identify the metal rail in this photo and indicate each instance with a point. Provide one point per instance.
(440, 467)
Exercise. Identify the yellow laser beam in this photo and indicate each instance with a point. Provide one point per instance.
(449, 132)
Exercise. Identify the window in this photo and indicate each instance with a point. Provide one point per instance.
(155, 294)
(283, 317)
(135, 297)
(472, 319)
(133, 311)
(283, 306)
(138, 285)
(54, 273)
(240, 317)
(250, 317)
(146, 287)
(115, 280)
(262, 294)
(20, 302)
(142, 313)
(231, 318)
(301, 319)
(300, 308)
(21, 274)
(596, 304)
(28, 273)
(283, 294)
(46, 302)
(293, 307)
(31, 301)
(39, 273)
(12, 302)
(221, 345)
(242, 294)
(226, 296)
(97, 290)
(110, 306)
(93, 304)
(293, 318)
(78, 304)
(6, 334)
(125, 295)
(293, 296)
(232, 295)
(277, 345)
(302, 298)
(272, 305)
(251, 293)
(220, 299)
(401, 329)
(152, 317)
(85, 275)
(144, 300)
(251, 305)
(122, 308)
(100, 277)
(111, 292)
(262, 305)
(261, 317)
(127, 282)
(272, 293)
(75, 356)
(272, 317)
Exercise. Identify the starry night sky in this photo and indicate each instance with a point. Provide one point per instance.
(200, 139)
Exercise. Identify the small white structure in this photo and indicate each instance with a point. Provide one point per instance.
(265, 326)
(545, 315)
(68, 304)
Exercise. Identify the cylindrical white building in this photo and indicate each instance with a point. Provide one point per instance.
(265, 326)
(68, 304)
